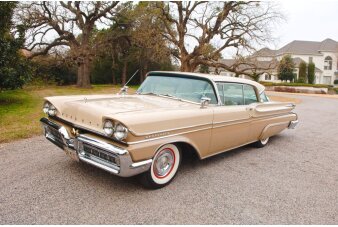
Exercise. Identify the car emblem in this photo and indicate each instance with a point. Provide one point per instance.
(75, 132)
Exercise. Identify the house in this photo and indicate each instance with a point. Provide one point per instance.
(323, 54)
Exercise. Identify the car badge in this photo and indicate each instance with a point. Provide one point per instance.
(75, 132)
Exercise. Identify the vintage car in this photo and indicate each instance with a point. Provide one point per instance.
(171, 113)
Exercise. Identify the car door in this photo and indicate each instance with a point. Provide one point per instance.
(231, 120)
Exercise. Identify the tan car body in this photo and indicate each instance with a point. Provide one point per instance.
(153, 121)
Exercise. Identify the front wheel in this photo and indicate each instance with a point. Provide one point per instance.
(163, 168)
(261, 143)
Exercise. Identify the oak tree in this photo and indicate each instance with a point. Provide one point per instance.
(192, 26)
(70, 24)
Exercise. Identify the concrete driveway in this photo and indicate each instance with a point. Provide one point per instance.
(293, 180)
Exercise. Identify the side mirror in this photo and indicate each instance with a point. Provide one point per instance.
(205, 102)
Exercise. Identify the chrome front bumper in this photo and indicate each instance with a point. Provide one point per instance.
(103, 155)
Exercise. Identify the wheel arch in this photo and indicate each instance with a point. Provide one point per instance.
(183, 144)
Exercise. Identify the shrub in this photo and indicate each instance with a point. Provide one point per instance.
(311, 73)
(301, 80)
(302, 72)
(267, 84)
(286, 69)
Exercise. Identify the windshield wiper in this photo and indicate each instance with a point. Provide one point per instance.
(170, 96)
(147, 93)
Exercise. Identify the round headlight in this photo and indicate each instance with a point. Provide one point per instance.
(121, 132)
(51, 110)
(45, 107)
(108, 128)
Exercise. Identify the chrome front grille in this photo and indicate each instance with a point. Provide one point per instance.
(98, 154)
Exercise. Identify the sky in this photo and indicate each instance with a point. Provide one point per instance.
(307, 20)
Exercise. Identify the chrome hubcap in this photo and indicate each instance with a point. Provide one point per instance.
(164, 163)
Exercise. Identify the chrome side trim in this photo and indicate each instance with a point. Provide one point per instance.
(232, 148)
(293, 124)
(271, 125)
(142, 163)
(164, 131)
(171, 135)
(232, 122)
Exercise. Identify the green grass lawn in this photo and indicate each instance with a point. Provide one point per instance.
(21, 110)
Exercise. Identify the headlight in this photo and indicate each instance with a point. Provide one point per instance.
(45, 107)
(108, 128)
(121, 132)
(51, 110)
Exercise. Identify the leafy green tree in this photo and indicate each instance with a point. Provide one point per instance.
(286, 69)
(311, 72)
(132, 43)
(14, 67)
(302, 77)
(50, 69)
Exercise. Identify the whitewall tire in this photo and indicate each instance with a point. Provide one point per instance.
(163, 168)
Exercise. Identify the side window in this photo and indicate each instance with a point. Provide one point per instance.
(263, 97)
(249, 95)
(220, 92)
(232, 94)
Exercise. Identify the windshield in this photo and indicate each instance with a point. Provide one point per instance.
(185, 88)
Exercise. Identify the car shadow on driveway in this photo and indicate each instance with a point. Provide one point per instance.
(190, 163)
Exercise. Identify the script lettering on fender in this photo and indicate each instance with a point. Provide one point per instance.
(157, 135)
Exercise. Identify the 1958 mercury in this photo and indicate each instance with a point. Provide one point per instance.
(172, 112)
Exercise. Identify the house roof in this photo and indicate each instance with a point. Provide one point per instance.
(265, 52)
(308, 47)
(297, 61)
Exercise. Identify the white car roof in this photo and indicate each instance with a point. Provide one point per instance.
(216, 78)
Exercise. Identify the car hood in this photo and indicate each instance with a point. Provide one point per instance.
(132, 110)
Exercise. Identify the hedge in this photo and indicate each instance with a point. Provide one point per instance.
(295, 84)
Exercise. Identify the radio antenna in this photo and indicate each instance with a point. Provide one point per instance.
(124, 89)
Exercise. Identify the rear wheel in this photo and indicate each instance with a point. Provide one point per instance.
(261, 143)
(163, 168)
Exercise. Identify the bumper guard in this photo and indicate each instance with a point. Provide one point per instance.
(111, 158)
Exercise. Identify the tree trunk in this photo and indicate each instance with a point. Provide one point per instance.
(79, 75)
(83, 74)
(143, 72)
(141, 75)
(114, 77)
(186, 66)
(124, 73)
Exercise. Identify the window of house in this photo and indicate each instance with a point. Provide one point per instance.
(267, 76)
(328, 63)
